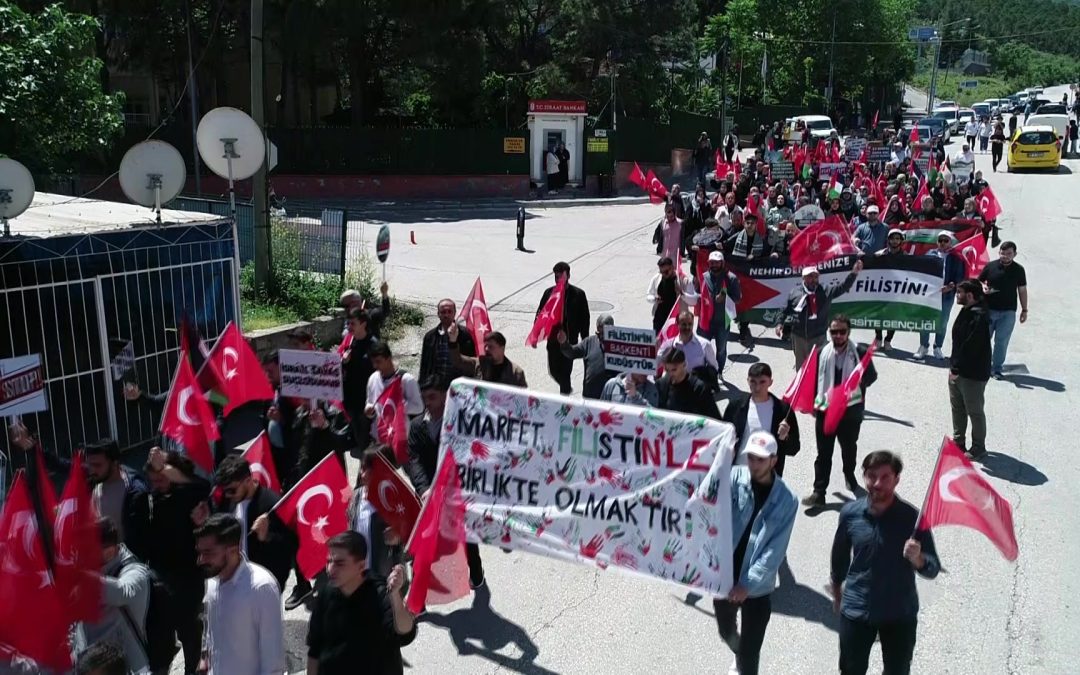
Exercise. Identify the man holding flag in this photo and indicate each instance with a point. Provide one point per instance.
(840, 361)
(574, 320)
(875, 555)
(720, 291)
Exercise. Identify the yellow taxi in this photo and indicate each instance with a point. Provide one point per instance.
(1034, 147)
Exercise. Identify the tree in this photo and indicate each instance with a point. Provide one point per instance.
(52, 105)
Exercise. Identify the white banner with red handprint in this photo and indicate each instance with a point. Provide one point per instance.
(643, 490)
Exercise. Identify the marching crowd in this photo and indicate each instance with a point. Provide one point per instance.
(202, 560)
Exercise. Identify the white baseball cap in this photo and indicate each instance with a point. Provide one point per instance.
(716, 256)
(873, 209)
(760, 444)
(807, 271)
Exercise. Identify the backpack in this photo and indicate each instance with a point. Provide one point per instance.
(159, 642)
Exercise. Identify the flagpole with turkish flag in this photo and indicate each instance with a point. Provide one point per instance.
(327, 486)
(261, 459)
(800, 393)
(820, 242)
(973, 252)
(550, 317)
(391, 428)
(392, 497)
(475, 314)
(78, 547)
(958, 494)
(838, 397)
(437, 544)
(989, 208)
(243, 377)
(188, 418)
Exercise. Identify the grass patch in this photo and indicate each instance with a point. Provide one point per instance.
(259, 316)
(948, 88)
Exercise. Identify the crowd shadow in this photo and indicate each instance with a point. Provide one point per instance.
(1011, 469)
(814, 511)
(1021, 381)
(478, 630)
(881, 417)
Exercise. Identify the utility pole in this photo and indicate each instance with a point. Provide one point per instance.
(832, 64)
(193, 99)
(933, 76)
(724, 46)
(260, 215)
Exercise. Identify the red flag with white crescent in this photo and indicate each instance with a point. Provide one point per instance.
(261, 460)
(959, 494)
(974, 254)
(655, 188)
(188, 418)
(243, 377)
(839, 397)
(392, 426)
(800, 393)
(668, 332)
(475, 315)
(393, 497)
(77, 547)
(989, 208)
(550, 317)
(315, 508)
(820, 242)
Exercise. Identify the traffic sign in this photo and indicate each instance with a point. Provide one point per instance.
(922, 33)
(382, 244)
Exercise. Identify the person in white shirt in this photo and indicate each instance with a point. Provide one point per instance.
(699, 351)
(667, 288)
(551, 165)
(244, 633)
(385, 371)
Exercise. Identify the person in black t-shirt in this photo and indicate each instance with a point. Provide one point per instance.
(359, 623)
(1004, 280)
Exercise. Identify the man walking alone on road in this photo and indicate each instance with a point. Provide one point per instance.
(970, 367)
(874, 560)
(762, 516)
(575, 323)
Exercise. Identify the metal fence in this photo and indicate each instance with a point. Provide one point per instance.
(308, 237)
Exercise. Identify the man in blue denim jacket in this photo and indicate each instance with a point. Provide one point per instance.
(762, 514)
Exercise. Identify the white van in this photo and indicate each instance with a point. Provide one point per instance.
(1059, 123)
(819, 126)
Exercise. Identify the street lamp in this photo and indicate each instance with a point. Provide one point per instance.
(937, 58)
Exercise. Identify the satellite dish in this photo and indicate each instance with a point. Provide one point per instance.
(152, 173)
(16, 190)
(230, 143)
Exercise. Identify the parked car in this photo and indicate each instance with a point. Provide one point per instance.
(1034, 147)
(819, 126)
(939, 126)
(982, 110)
(1058, 122)
(967, 115)
(925, 134)
(951, 116)
(1052, 109)
(946, 104)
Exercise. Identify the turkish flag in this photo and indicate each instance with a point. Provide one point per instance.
(550, 317)
(637, 177)
(873, 125)
(820, 242)
(706, 303)
(959, 494)
(973, 252)
(721, 167)
(913, 137)
(188, 418)
(800, 393)
(345, 344)
(989, 208)
(211, 381)
(737, 165)
(437, 546)
(668, 332)
(924, 191)
(261, 460)
(35, 619)
(77, 547)
(392, 497)
(655, 188)
(840, 396)
(315, 509)
(475, 314)
(244, 379)
(392, 428)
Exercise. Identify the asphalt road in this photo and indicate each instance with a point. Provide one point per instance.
(982, 615)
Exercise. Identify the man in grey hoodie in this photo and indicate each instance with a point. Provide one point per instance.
(125, 601)
(590, 350)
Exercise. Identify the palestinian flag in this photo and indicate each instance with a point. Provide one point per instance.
(920, 236)
(835, 188)
(932, 173)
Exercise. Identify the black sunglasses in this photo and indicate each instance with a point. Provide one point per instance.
(838, 331)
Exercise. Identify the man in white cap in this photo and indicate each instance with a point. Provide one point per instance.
(953, 272)
(807, 311)
(720, 285)
(762, 516)
(872, 235)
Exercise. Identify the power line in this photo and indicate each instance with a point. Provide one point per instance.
(904, 42)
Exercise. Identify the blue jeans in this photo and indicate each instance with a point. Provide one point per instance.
(947, 301)
(1002, 322)
(719, 338)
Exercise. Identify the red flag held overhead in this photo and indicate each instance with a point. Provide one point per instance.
(78, 547)
(475, 314)
(440, 568)
(637, 177)
(550, 317)
(820, 242)
(242, 373)
(261, 460)
(392, 497)
(960, 495)
(188, 418)
(392, 428)
(973, 252)
(315, 509)
(989, 208)
(800, 393)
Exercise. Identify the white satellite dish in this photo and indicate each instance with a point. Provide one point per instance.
(152, 173)
(16, 190)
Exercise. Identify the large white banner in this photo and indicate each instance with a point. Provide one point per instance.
(639, 489)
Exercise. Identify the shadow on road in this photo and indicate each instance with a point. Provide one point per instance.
(478, 630)
(1011, 469)
(880, 417)
(1032, 382)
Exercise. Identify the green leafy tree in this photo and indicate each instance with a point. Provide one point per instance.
(52, 104)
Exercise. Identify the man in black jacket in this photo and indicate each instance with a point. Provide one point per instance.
(435, 353)
(807, 310)
(120, 494)
(760, 410)
(679, 390)
(356, 368)
(575, 323)
(424, 434)
(969, 368)
(268, 542)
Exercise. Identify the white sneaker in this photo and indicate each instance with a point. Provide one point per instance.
(921, 352)
(938, 355)
(734, 669)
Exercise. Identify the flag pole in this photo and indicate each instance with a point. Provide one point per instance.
(926, 496)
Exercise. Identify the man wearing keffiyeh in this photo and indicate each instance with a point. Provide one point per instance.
(807, 311)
